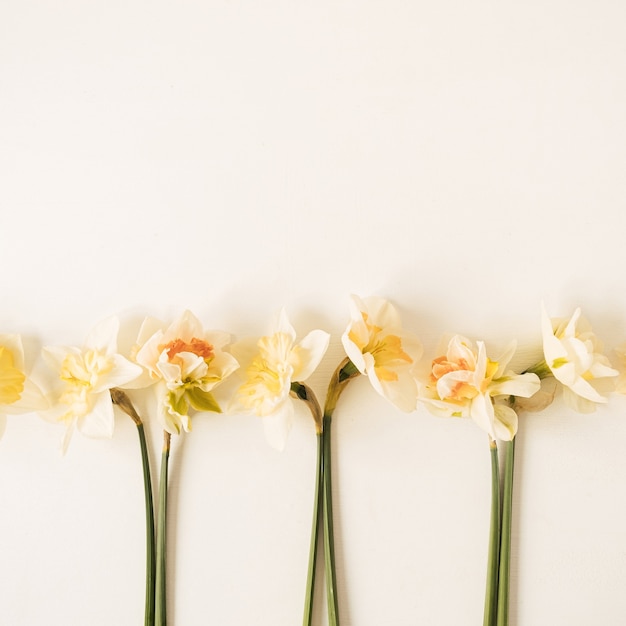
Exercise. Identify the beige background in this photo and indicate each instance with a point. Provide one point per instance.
(464, 159)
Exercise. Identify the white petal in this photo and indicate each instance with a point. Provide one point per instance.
(553, 349)
(353, 351)
(481, 411)
(356, 308)
(149, 327)
(32, 399)
(278, 424)
(167, 417)
(123, 372)
(282, 325)
(149, 354)
(222, 366)
(99, 422)
(381, 312)
(217, 338)
(570, 329)
(583, 389)
(522, 385)
(103, 338)
(308, 354)
(402, 393)
(370, 371)
(244, 351)
(578, 403)
(55, 355)
(601, 368)
(459, 349)
(186, 327)
(3, 424)
(505, 423)
(448, 382)
(504, 359)
(445, 409)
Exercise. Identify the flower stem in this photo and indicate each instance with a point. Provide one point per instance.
(505, 541)
(344, 373)
(491, 590)
(123, 401)
(310, 579)
(161, 546)
(329, 537)
(150, 558)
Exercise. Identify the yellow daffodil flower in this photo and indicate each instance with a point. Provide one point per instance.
(378, 347)
(574, 356)
(18, 394)
(86, 375)
(464, 382)
(186, 362)
(269, 366)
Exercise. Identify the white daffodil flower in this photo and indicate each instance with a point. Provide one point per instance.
(186, 362)
(573, 354)
(85, 377)
(269, 366)
(18, 394)
(378, 347)
(464, 382)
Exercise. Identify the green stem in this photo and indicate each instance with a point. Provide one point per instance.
(150, 562)
(491, 590)
(505, 545)
(120, 399)
(345, 372)
(310, 579)
(329, 538)
(161, 546)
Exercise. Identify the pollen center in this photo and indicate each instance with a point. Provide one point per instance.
(196, 346)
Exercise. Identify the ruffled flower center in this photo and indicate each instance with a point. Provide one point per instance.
(11, 378)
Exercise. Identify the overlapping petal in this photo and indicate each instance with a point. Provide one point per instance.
(186, 362)
(465, 381)
(85, 376)
(269, 366)
(574, 356)
(18, 393)
(380, 349)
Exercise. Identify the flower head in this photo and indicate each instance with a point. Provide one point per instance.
(18, 394)
(85, 377)
(464, 382)
(573, 354)
(269, 366)
(378, 347)
(186, 362)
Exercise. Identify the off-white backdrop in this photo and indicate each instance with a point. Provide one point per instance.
(464, 159)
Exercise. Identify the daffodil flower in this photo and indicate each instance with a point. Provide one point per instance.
(378, 347)
(186, 362)
(85, 378)
(573, 355)
(464, 382)
(270, 366)
(18, 394)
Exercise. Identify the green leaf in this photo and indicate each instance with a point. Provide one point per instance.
(202, 400)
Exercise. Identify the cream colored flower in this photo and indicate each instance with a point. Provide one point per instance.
(573, 354)
(186, 362)
(18, 394)
(620, 385)
(86, 375)
(269, 366)
(378, 347)
(464, 383)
